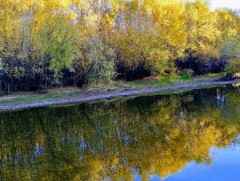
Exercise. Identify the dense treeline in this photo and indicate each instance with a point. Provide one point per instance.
(45, 43)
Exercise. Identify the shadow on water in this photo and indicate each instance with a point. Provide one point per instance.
(119, 140)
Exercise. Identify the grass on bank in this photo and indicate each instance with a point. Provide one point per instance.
(153, 81)
(21, 97)
(38, 96)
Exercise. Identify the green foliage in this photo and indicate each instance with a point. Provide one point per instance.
(57, 41)
(102, 58)
(231, 51)
(234, 67)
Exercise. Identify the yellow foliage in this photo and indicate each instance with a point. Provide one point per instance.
(148, 33)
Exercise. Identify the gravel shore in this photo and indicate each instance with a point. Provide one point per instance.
(93, 96)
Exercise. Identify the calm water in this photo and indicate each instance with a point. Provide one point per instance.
(188, 136)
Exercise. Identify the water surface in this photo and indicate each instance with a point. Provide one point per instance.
(186, 136)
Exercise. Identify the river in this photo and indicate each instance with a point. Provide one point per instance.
(180, 137)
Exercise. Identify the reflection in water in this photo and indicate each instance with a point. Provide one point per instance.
(118, 140)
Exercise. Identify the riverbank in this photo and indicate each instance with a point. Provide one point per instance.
(68, 96)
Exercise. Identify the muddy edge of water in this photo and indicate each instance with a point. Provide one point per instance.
(93, 96)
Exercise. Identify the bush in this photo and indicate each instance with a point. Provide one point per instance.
(188, 72)
(102, 57)
(234, 67)
(201, 65)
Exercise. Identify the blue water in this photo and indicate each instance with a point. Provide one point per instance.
(225, 166)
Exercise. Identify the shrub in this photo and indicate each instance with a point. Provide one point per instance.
(234, 67)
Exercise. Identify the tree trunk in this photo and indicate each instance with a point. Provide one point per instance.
(8, 88)
(1, 86)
